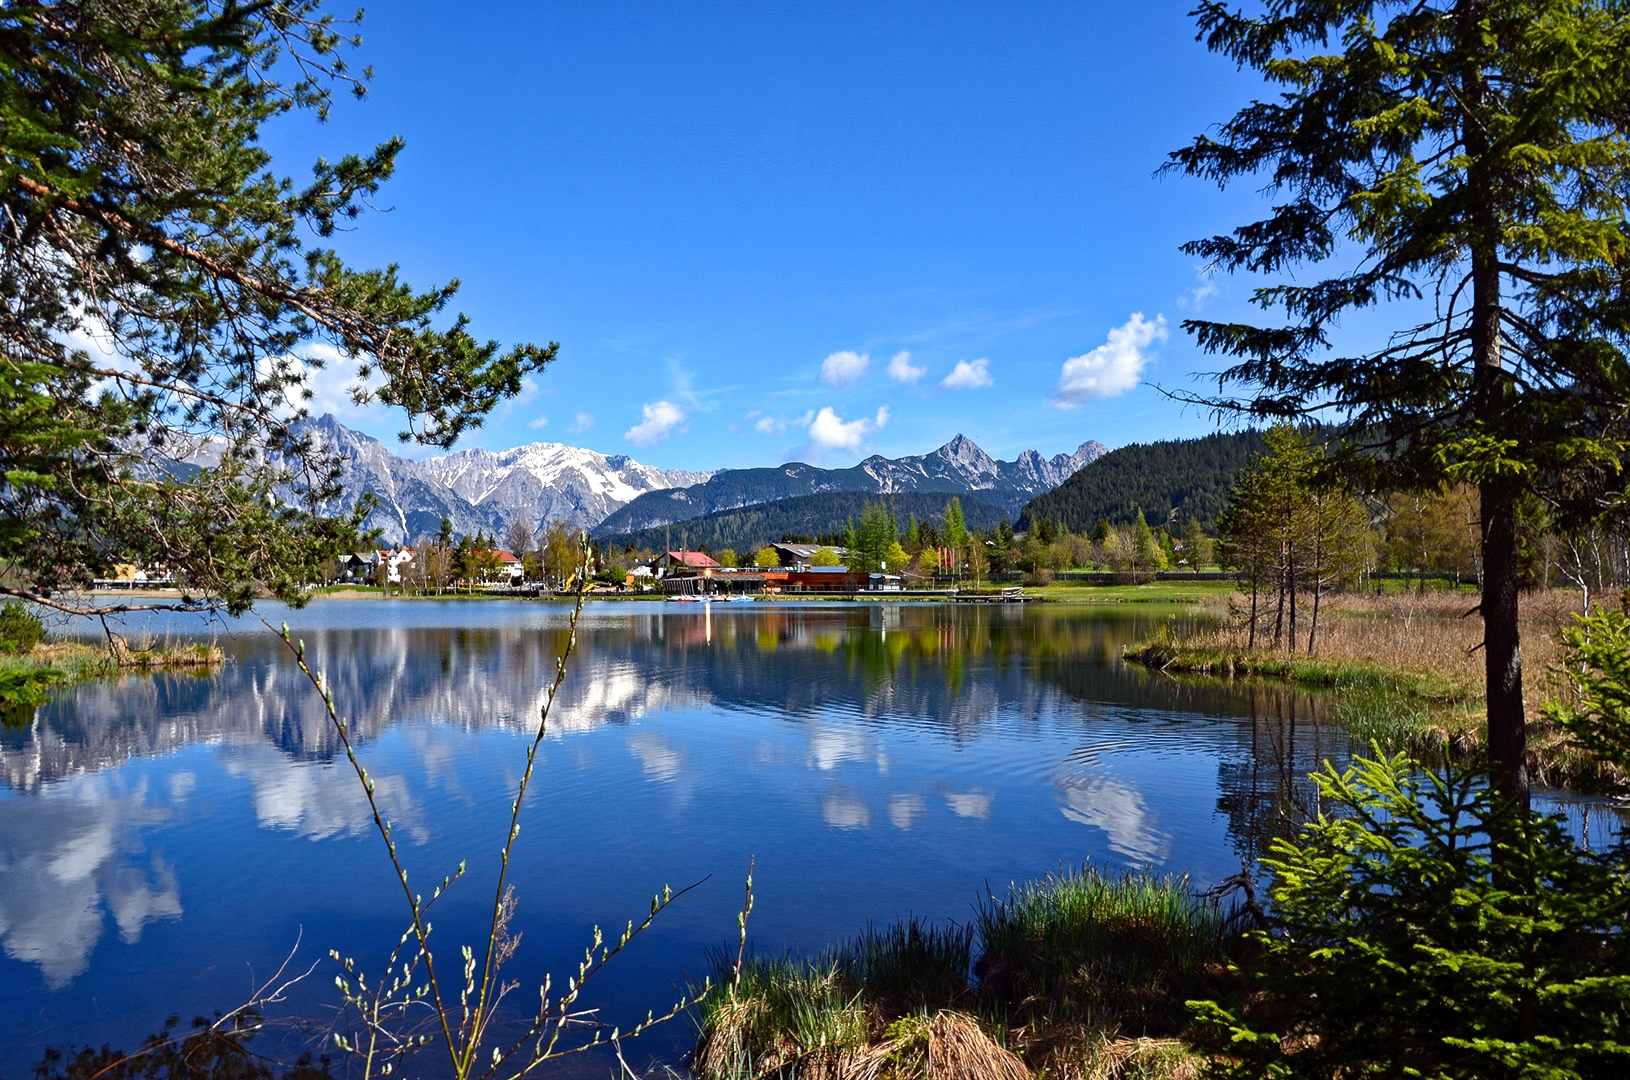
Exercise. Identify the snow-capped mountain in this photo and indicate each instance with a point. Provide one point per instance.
(550, 480)
(959, 467)
(483, 490)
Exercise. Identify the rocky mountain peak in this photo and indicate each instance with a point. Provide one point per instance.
(480, 490)
(1084, 455)
(966, 455)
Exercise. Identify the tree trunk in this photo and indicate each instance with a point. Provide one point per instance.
(1502, 651)
(1502, 648)
(1279, 614)
(1251, 641)
(1313, 634)
(1291, 583)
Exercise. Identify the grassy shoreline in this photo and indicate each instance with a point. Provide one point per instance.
(1081, 975)
(27, 680)
(1407, 676)
(1153, 592)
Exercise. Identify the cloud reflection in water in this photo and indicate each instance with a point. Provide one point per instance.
(70, 860)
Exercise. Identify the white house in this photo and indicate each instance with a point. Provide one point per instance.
(394, 561)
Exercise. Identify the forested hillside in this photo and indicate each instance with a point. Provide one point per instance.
(808, 516)
(1190, 475)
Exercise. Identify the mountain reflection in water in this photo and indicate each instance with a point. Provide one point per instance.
(162, 836)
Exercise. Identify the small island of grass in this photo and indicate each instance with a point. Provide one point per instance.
(31, 667)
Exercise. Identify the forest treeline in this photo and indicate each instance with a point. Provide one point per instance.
(808, 518)
(1173, 480)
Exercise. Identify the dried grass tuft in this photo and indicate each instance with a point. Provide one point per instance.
(949, 1045)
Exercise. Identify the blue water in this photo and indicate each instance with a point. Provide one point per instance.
(167, 841)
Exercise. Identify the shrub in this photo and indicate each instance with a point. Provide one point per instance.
(1426, 927)
(20, 629)
(1596, 659)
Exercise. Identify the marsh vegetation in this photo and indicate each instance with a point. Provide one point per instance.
(1080, 974)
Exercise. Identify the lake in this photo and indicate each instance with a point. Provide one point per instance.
(166, 841)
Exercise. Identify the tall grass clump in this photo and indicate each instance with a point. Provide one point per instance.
(1086, 949)
(913, 966)
(1067, 977)
(785, 1014)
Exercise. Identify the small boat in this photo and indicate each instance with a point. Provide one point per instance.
(740, 598)
(684, 600)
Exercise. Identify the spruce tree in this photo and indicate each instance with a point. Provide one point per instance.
(1464, 162)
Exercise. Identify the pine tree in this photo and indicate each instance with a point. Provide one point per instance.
(140, 213)
(953, 529)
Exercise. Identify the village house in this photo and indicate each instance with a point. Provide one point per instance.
(394, 562)
(511, 571)
(358, 567)
(691, 561)
(801, 557)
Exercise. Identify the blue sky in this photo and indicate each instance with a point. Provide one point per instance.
(772, 231)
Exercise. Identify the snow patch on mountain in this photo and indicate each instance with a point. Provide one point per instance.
(483, 490)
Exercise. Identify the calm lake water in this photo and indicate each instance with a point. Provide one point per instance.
(166, 841)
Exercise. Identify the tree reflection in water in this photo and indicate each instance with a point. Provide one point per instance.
(881, 757)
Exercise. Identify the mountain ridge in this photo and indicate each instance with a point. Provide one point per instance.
(959, 467)
(745, 528)
(480, 490)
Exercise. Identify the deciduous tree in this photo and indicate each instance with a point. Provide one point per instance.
(953, 526)
(519, 537)
(560, 552)
(1288, 532)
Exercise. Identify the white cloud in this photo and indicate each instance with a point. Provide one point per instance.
(538, 422)
(902, 370)
(1112, 368)
(827, 431)
(969, 375)
(580, 423)
(842, 809)
(1129, 825)
(904, 810)
(91, 334)
(843, 368)
(970, 804)
(1202, 292)
(775, 425)
(660, 418)
(333, 386)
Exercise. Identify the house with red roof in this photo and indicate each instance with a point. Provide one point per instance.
(692, 561)
(510, 569)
